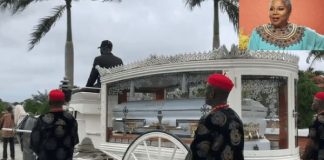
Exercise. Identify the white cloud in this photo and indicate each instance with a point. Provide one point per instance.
(137, 30)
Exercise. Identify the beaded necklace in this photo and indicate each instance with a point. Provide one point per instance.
(281, 37)
(219, 107)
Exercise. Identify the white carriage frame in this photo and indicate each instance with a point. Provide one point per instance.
(235, 64)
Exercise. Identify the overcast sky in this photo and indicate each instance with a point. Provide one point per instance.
(136, 28)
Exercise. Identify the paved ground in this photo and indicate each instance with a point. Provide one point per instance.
(18, 153)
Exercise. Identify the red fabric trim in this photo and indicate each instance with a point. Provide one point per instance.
(220, 107)
(57, 110)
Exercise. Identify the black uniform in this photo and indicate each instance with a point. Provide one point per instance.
(219, 136)
(106, 60)
(316, 135)
(54, 136)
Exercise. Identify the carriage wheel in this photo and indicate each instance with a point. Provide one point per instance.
(156, 145)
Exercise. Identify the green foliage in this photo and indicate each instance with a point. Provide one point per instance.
(306, 90)
(3, 105)
(317, 73)
(35, 107)
(38, 104)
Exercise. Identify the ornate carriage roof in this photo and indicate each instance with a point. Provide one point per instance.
(221, 53)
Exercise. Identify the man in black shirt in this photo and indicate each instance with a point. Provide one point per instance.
(55, 133)
(106, 60)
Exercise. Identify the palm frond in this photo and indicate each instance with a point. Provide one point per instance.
(232, 9)
(40, 97)
(45, 25)
(310, 54)
(317, 54)
(20, 5)
(16, 5)
(6, 4)
(193, 3)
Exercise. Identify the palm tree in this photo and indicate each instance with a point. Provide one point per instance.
(318, 56)
(231, 7)
(45, 25)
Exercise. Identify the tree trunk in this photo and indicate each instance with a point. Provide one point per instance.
(216, 26)
(69, 55)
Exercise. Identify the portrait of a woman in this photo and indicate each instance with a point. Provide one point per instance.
(280, 34)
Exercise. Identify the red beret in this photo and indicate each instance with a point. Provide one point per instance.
(220, 81)
(56, 95)
(319, 96)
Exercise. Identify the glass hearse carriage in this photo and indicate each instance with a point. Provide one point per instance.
(150, 109)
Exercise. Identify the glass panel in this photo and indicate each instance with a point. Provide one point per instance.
(154, 102)
(264, 112)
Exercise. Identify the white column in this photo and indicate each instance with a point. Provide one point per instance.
(184, 83)
(235, 98)
(103, 105)
(131, 90)
(291, 107)
(108, 102)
